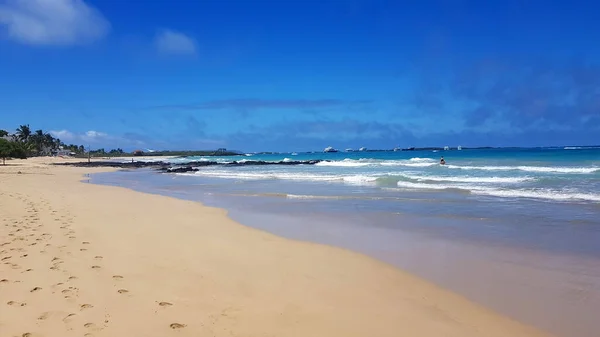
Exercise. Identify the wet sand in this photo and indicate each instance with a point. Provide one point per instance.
(81, 259)
(543, 273)
(553, 290)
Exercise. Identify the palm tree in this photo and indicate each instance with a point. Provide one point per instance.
(39, 140)
(57, 143)
(49, 141)
(23, 133)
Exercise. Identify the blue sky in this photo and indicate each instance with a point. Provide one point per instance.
(302, 75)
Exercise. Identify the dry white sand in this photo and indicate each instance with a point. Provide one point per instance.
(86, 260)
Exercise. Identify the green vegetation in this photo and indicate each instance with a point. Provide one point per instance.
(40, 143)
(170, 153)
(11, 150)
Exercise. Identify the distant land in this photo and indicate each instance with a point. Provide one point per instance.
(225, 152)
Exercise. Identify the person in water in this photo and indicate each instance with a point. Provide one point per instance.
(442, 161)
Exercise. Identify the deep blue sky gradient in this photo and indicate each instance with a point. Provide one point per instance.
(303, 75)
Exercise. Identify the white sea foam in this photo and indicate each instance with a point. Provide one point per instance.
(536, 169)
(302, 196)
(417, 159)
(427, 162)
(540, 194)
(343, 163)
(409, 164)
(506, 193)
(360, 179)
(357, 179)
(413, 162)
(458, 179)
(423, 186)
(266, 175)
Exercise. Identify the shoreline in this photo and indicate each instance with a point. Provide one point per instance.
(550, 288)
(129, 262)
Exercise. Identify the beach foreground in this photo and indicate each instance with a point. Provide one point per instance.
(81, 259)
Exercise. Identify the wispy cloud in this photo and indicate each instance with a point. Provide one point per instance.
(98, 139)
(517, 94)
(175, 43)
(251, 104)
(52, 22)
(88, 136)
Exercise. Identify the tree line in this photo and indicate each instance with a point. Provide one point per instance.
(28, 143)
(38, 142)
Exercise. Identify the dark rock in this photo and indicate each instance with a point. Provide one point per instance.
(135, 164)
(183, 169)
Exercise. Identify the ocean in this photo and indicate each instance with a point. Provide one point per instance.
(465, 225)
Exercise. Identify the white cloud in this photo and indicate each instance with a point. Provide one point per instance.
(92, 135)
(172, 42)
(52, 22)
(86, 137)
(63, 135)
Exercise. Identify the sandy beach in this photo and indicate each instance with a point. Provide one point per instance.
(85, 260)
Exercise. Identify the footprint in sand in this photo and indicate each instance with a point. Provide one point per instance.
(92, 326)
(67, 317)
(44, 316)
(35, 289)
(82, 249)
(16, 303)
(85, 243)
(117, 277)
(86, 306)
(96, 267)
(4, 280)
(123, 291)
(98, 257)
(165, 304)
(72, 277)
(27, 334)
(177, 326)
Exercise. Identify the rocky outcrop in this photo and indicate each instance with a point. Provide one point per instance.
(180, 169)
(186, 167)
(125, 165)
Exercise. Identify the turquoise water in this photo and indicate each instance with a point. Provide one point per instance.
(527, 217)
(550, 174)
(538, 198)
